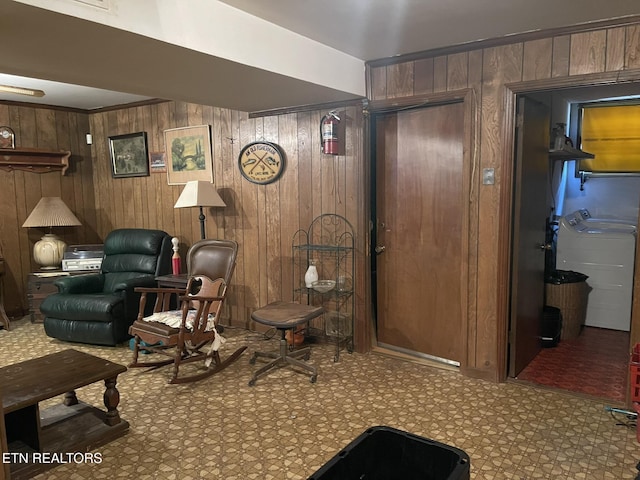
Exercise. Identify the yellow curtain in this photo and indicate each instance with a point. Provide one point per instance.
(612, 134)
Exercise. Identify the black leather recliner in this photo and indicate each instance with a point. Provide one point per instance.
(99, 308)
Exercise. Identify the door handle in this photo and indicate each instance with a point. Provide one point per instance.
(544, 246)
(379, 249)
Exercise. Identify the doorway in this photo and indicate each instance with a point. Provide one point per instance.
(570, 365)
(420, 216)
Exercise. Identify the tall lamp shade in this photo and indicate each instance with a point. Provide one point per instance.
(199, 193)
(50, 212)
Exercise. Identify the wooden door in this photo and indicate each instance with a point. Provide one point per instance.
(531, 208)
(420, 235)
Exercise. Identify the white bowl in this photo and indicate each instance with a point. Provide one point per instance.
(323, 286)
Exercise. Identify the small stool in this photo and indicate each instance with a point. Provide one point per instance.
(284, 316)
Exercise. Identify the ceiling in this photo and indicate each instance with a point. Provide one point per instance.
(115, 66)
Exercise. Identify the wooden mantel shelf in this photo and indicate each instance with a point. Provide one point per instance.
(34, 160)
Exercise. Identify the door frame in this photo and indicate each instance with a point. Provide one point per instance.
(470, 158)
(506, 198)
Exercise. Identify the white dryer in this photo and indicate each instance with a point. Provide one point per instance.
(603, 249)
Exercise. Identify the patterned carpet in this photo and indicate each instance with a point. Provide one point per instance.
(286, 427)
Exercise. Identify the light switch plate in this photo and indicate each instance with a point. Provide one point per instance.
(488, 176)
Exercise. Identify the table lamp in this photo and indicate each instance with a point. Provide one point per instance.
(50, 212)
(199, 193)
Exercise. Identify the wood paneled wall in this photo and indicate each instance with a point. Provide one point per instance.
(261, 218)
(53, 129)
(599, 56)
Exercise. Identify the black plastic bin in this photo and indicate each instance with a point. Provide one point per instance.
(385, 453)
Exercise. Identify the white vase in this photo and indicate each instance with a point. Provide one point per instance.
(311, 276)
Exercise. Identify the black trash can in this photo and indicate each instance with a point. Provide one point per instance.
(385, 453)
(551, 326)
(568, 291)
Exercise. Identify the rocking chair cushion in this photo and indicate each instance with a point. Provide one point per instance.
(173, 319)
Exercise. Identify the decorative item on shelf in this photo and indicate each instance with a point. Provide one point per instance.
(323, 286)
(261, 162)
(7, 137)
(50, 212)
(175, 259)
(199, 193)
(311, 275)
(559, 138)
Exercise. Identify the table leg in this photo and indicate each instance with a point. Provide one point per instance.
(70, 398)
(111, 400)
(3, 314)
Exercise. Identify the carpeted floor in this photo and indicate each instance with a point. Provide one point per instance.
(286, 427)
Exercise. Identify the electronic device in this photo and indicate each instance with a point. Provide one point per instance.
(82, 257)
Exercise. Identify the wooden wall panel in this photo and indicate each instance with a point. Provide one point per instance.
(490, 71)
(55, 129)
(537, 59)
(561, 54)
(423, 71)
(261, 218)
(615, 49)
(588, 51)
(632, 47)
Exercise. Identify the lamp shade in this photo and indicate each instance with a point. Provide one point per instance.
(51, 212)
(199, 193)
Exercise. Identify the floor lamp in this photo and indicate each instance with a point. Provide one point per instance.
(199, 193)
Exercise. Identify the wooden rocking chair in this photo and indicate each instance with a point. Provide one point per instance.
(183, 334)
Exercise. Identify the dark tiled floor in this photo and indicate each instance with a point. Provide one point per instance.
(595, 363)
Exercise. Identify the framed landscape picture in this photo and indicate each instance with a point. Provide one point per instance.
(188, 154)
(129, 157)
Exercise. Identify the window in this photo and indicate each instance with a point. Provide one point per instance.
(612, 133)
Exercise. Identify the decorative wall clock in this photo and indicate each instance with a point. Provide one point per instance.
(7, 138)
(261, 162)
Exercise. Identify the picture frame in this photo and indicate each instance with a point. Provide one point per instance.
(188, 154)
(157, 162)
(129, 157)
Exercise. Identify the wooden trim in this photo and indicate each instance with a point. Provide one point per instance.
(142, 103)
(40, 105)
(430, 99)
(503, 287)
(34, 160)
(307, 108)
(586, 80)
(82, 110)
(506, 40)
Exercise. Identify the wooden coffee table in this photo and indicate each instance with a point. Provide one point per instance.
(65, 428)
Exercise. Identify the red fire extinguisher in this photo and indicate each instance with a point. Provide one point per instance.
(329, 133)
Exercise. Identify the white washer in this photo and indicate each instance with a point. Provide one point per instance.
(604, 250)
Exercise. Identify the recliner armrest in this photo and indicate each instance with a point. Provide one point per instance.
(90, 283)
(131, 283)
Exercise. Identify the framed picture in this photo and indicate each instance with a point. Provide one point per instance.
(129, 157)
(188, 154)
(157, 163)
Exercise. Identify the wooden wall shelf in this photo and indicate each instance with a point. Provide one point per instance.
(34, 160)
